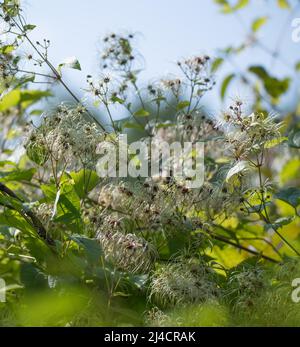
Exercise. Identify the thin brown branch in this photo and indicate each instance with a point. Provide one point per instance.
(228, 241)
(36, 223)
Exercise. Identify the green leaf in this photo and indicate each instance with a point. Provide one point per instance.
(239, 167)
(275, 142)
(7, 162)
(283, 4)
(258, 23)
(71, 63)
(115, 99)
(7, 49)
(216, 64)
(16, 205)
(290, 171)
(141, 113)
(30, 97)
(85, 181)
(158, 100)
(10, 99)
(68, 199)
(226, 7)
(24, 80)
(221, 2)
(29, 27)
(225, 84)
(241, 4)
(25, 97)
(165, 125)
(32, 277)
(273, 86)
(12, 219)
(92, 248)
(18, 175)
(297, 66)
(36, 112)
(280, 222)
(289, 195)
(11, 7)
(37, 153)
(131, 125)
(182, 104)
(294, 138)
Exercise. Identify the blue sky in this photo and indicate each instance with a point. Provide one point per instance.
(168, 30)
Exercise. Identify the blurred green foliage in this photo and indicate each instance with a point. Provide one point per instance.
(59, 274)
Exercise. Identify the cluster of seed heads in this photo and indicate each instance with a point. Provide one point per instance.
(65, 136)
(44, 211)
(178, 284)
(248, 134)
(114, 196)
(174, 85)
(118, 53)
(9, 9)
(156, 317)
(245, 285)
(8, 65)
(127, 251)
(197, 69)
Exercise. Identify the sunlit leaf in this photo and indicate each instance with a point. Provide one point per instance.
(29, 27)
(10, 99)
(17, 175)
(225, 84)
(85, 181)
(141, 113)
(92, 247)
(290, 171)
(283, 4)
(289, 195)
(238, 168)
(216, 64)
(182, 104)
(258, 23)
(71, 63)
(133, 125)
(275, 142)
(274, 87)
